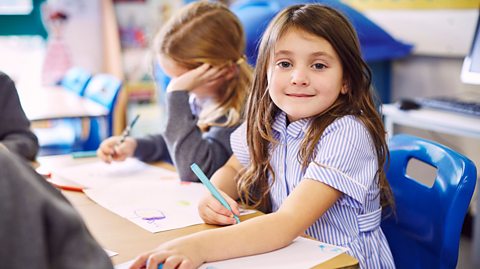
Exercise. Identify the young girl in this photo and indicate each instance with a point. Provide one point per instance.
(312, 151)
(201, 49)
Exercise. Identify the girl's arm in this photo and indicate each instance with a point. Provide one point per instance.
(224, 178)
(187, 144)
(308, 202)
(151, 148)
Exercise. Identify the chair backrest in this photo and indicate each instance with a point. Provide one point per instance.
(424, 231)
(161, 79)
(255, 16)
(76, 80)
(104, 89)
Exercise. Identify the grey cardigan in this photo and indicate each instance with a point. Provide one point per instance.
(15, 133)
(39, 227)
(183, 142)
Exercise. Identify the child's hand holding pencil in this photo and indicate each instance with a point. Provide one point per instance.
(112, 150)
(118, 148)
(213, 212)
(217, 208)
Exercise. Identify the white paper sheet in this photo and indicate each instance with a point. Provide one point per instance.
(110, 253)
(303, 253)
(155, 205)
(99, 174)
(125, 265)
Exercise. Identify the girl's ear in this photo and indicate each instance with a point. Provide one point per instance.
(344, 89)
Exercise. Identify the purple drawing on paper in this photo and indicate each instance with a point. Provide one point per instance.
(150, 215)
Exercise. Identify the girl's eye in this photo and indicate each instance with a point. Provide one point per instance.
(284, 64)
(319, 66)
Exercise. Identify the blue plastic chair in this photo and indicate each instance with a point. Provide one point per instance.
(424, 231)
(103, 89)
(76, 80)
(63, 136)
(70, 135)
(58, 137)
(161, 79)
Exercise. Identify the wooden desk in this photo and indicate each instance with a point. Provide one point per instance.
(47, 103)
(123, 236)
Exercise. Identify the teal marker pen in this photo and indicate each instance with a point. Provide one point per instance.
(84, 154)
(204, 179)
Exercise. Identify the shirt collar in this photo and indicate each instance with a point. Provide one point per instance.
(198, 104)
(294, 129)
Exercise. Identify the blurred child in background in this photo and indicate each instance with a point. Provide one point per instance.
(201, 48)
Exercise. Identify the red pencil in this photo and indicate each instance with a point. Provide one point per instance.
(67, 188)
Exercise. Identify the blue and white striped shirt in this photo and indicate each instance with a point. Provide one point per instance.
(345, 160)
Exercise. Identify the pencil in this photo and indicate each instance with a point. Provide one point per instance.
(125, 133)
(65, 187)
(204, 179)
(128, 129)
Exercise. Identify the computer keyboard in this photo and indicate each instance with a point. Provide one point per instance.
(451, 104)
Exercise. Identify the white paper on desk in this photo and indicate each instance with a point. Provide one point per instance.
(110, 253)
(99, 174)
(153, 204)
(302, 253)
(124, 265)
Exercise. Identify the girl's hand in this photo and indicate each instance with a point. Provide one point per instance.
(180, 253)
(111, 150)
(194, 78)
(213, 212)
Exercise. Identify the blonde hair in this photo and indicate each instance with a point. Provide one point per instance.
(325, 22)
(206, 32)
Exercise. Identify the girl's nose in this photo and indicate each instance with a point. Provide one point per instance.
(299, 78)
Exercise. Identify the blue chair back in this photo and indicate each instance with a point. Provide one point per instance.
(62, 136)
(76, 80)
(424, 231)
(103, 89)
(161, 79)
(255, 15)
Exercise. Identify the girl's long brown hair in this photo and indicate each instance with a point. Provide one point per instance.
(207, 32)
(327, 23)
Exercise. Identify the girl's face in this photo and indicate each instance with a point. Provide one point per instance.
(175, 70)
(305, 75)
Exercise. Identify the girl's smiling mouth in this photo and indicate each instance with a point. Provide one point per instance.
(300, 95)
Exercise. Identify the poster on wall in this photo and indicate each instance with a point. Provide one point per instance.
(83, 22)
